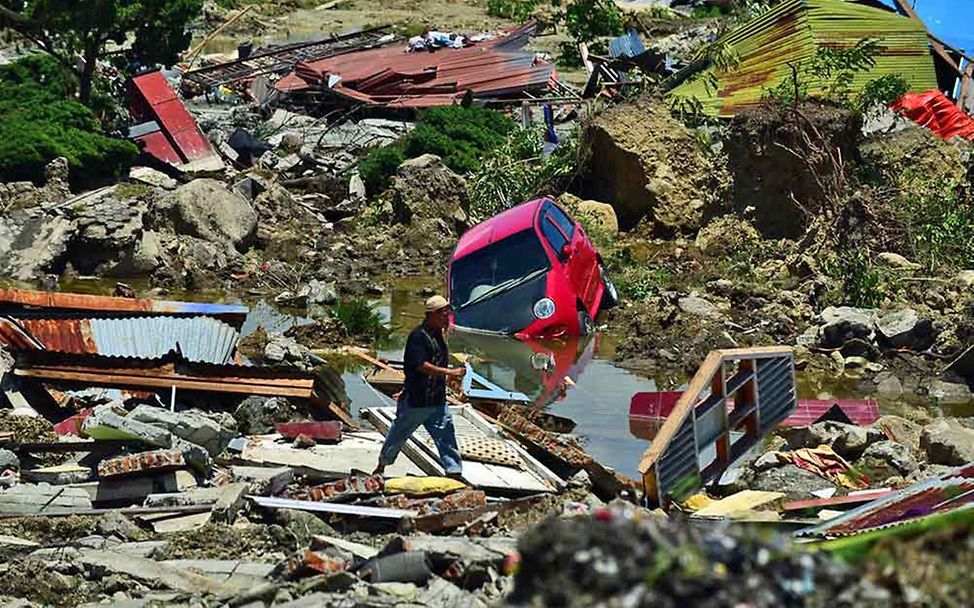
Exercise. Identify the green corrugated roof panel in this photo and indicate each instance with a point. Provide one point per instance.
(792, 32)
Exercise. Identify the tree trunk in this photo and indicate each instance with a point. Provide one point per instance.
(87, 74)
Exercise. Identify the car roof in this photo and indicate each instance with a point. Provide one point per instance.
(500, 226)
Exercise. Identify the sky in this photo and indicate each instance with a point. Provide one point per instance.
(950, 20)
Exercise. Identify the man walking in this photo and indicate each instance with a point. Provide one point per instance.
(423, 399)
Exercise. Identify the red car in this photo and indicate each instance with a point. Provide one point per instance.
(530, 271)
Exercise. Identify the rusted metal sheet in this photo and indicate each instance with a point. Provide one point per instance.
(321, 430)
(198, 339)
(836, 501)
(391, 77)
(343, 488)
(952, 491)
(16, 337)
(154, 99)
(232, 314)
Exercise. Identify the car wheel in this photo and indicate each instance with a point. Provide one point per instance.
(585, 325)
(610, 296)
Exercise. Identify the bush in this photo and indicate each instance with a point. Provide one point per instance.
(517, 171)
(515, 10)
(377, 167)
(939, 221)
(358, 319)
(37, 125)
(459, 136)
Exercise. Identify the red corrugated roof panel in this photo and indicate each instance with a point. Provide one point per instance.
(176, 122)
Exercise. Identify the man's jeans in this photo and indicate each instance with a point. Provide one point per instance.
(439, 424)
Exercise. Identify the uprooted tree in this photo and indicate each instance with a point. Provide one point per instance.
(70, 30)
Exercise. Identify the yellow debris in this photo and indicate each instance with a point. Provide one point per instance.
(423, 486)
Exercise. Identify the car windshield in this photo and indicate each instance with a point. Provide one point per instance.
(497, 268)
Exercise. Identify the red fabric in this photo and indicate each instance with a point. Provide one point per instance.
(936, 112)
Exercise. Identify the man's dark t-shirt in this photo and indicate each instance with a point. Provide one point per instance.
(424, 390)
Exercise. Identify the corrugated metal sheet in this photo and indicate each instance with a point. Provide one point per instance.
(791, 33)
(952, 491)
(199, 339)
(14, 336)
(229, 313)
(389, 76)
(175, 121)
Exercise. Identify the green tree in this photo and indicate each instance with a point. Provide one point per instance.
(70, 28)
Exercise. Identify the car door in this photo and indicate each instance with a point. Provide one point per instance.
(582, 262)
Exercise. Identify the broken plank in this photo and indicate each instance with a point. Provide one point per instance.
(270, 502)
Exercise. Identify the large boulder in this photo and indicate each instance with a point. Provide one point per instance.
(794, 482)
(840, 324)
(727, 235)
(905, 329)
(948, 442)
(885, 459)
(647, 164)
(207, 209)
(424, 190)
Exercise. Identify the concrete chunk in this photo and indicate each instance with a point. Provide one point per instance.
(229, 503)
(191, 425)
(29, 499)
(105, 423)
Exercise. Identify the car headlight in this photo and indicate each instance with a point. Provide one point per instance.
(544, 308)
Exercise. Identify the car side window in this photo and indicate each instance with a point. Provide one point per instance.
(550, 230)
(564, 222)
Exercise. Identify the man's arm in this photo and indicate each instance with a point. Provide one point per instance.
(418, 355)
(447, 372)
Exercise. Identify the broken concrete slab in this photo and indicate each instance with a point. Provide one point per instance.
(62, 474)
(193, 426)
(155, 573)
(229, 503)
(266, 481)
(239, 574)
(28, 499)
(168, 523)
(359, 450)
(360, 551)
(106, 423)
(198, 497)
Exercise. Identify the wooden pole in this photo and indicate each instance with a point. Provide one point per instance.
(199, 47)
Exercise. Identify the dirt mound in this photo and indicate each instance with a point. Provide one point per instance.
(218, 541)
(916, 152)
(763, 147)
(649, 165)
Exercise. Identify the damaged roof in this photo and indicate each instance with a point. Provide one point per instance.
(21, 298)
(391, 77)
(793, 32)
(950, 492)
(198, 339)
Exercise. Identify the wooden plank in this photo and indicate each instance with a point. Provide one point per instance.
(850, 499)
(270, 502)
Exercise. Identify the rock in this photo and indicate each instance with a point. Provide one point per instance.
(901, 431)
(258, 415)
(33, 243)
(905, 329)
(885, 459)
(698, 307)
(965, 278)
(210, 431)
(727, 235)
(796, 483)
(844, 323)
(206, 209)
(948, 442)
(895, 260)
(9, 461)
(888, 385)
(927, 471)
(115, 524)
(322, 294)
(848, 440)
(766, 461)
(425, 191)
(951, 392)
(602, 215)
(647, 164)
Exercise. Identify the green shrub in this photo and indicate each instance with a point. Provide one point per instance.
(377, 168)
(460, 136)
(939, 221)
(358, 319)
(861, 283)
(38, 123)
(516, 171)
(515, 10)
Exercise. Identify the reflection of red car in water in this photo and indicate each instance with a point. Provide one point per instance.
(533, 367)
(530, 271)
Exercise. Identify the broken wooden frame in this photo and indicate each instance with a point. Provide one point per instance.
(697, 441)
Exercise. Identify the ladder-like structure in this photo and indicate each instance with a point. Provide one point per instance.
(702, 436)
